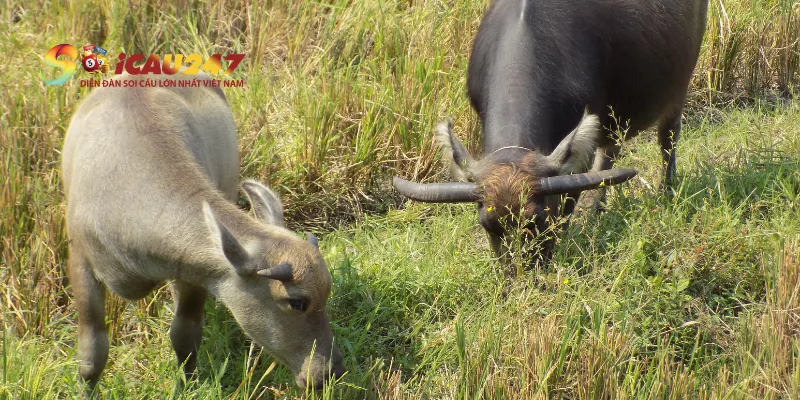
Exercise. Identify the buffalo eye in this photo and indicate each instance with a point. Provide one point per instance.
(298, 304)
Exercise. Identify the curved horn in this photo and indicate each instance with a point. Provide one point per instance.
(586, 181)
(451, 192)
(281, 272)
(312, 239)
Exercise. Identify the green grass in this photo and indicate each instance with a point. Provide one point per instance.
(690, 296)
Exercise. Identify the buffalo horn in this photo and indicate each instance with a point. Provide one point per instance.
(451, 192)
(586, 181)
(312, 239)
(281, 272)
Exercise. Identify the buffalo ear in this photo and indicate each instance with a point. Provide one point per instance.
(461, 161)
(575, 153)
(226, 242)
(266, 204)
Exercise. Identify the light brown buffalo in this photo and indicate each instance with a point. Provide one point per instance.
(151, 177)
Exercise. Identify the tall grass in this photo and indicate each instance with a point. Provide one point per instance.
(690, 297)
(752, 48)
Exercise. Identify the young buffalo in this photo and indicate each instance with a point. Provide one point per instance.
(150, 176)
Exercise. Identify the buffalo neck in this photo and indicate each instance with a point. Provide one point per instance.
(524, 92)
(522, 96)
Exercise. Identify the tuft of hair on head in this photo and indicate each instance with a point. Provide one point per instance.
(452, 150)
(508, 188)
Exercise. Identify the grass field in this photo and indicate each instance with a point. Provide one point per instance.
(691, 296)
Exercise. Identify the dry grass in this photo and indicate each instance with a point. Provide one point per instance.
(752, 49)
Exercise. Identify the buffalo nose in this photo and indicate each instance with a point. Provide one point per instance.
(338, 369)
(337, 365)
(300, 382)
(335, 369)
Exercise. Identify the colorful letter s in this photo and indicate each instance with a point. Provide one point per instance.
(67, 65)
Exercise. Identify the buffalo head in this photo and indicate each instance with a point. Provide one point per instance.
(522, 194)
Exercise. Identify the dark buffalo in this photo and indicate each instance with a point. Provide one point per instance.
(554, 82)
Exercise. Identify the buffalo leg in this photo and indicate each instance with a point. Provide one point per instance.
(669, 130)
(92, 330)
(186, 331)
